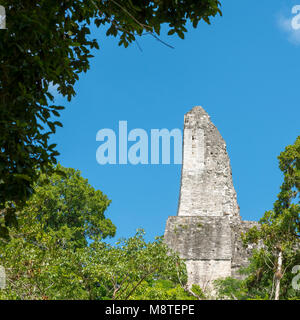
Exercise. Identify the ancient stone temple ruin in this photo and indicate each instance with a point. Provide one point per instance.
(206, 231)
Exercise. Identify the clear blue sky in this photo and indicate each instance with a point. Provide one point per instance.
(243, 69)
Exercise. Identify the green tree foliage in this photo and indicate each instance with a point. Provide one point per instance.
(65, 203)
(231, 289)
(57, 252)
(123, 271)
(43, 268)
(42, 257)
(270, 273)
(166, 290)
(47, 43)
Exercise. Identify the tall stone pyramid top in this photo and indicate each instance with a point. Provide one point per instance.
(206, 178)
(197, 117)
(199, 110)
(206, 231)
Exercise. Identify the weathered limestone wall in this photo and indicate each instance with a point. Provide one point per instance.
(240, 255)
(200, 237)
(205, 243)
(206, 231)
(204, 272)
(206, 179)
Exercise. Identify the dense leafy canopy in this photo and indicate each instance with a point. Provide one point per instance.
(125, 270)
(57, 252)
(47, 43)
(65, 202)
(44, 269)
